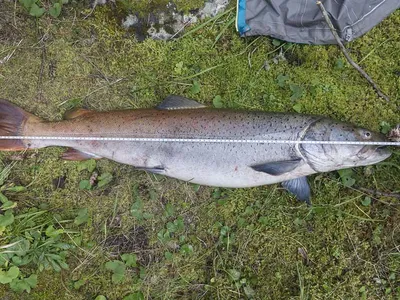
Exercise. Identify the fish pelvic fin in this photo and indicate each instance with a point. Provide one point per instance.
(74, 154)
(300, 188)
(173, 102)
(12, 121)
(75, 113)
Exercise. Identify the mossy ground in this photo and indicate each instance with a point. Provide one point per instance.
(351, 250)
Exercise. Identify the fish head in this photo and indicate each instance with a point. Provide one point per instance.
(329, 157)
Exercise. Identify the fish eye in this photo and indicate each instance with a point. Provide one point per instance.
(367, 134)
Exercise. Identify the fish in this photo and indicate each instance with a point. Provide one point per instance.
(228, 164)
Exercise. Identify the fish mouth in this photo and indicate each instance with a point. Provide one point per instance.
(379, 151)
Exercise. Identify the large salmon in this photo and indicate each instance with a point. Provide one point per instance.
(228, 164)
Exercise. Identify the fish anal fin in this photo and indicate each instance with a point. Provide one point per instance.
(173, 102)
(155, 169)
(277, 167)
(75, 113)
(300, 188)
(74, 154)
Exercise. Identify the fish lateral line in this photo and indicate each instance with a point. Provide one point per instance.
(194, 140)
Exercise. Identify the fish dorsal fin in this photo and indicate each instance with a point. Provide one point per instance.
(277, 167)
(173, 102)
(75, 113)
(299, 187)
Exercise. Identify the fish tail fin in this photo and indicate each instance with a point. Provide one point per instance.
(12, 121)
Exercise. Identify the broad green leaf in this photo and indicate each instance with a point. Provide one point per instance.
(85, 185)
(134, 296)
(169, 210)
(234, 274)
(6, 219)
(8, 276)
(118, 269)
(168, 255)
(276, 42)
(3, 199)
(27, 3)
(55, 10)
(217, 102)
(79, 283)
(36, 11)
(136, 209)
(298, 107)
(195, 89)
(297, 92)
(281, 79)
(129, 259)
(52, 232)
(385, 127)
(8, 205)
(186, 249)
(89, 165)
(366, 201)
(82, 216)
(100, 297)
(346, 177)
(104, 179)
(178, 68)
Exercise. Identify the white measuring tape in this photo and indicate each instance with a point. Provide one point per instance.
(193, 140)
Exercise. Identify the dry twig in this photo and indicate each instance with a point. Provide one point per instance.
(346, 54)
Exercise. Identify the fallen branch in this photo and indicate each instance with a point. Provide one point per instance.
(378, 193)
(346, 54)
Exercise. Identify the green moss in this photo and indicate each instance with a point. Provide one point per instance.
(349, 247)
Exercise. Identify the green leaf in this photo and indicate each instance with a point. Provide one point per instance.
(297, 92)
(281, 79)
(136, 209)
(134, 296)
(195, 87)
(89, 165)
(385, 127)
(64, 1)
(339, 64)
(7, 218)
(3, 199)
(27, 3)
(178, 68)
(276, 42)
(8, 276)
(79, 283)
(234, 274)
(20, 247)
(129, 259)
(85, 185)
(104, 179)
(52, 232)
(168, 255)
(169, 210)
(186, 249)
(55, 10)
(31, 280)
(346, 177)
(100, 297)
(16, 189)
(366, 201)
(118, 269)
(298, 107)
(250, 293)
(8, 205)
(82, 216)
(36, 11)
(217, 101)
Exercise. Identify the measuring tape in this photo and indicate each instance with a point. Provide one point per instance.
(194, 140)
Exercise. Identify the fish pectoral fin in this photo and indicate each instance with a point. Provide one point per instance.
(155, 170)
(74, 154)
(300, 188)
(173, 102)
(277, 167)
(75, 113)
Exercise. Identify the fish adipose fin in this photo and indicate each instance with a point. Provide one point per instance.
(173, 102)
(300, 188)
(155, 170)
(75, 113)
(277, 167)
(74, 154)
(12, 120)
